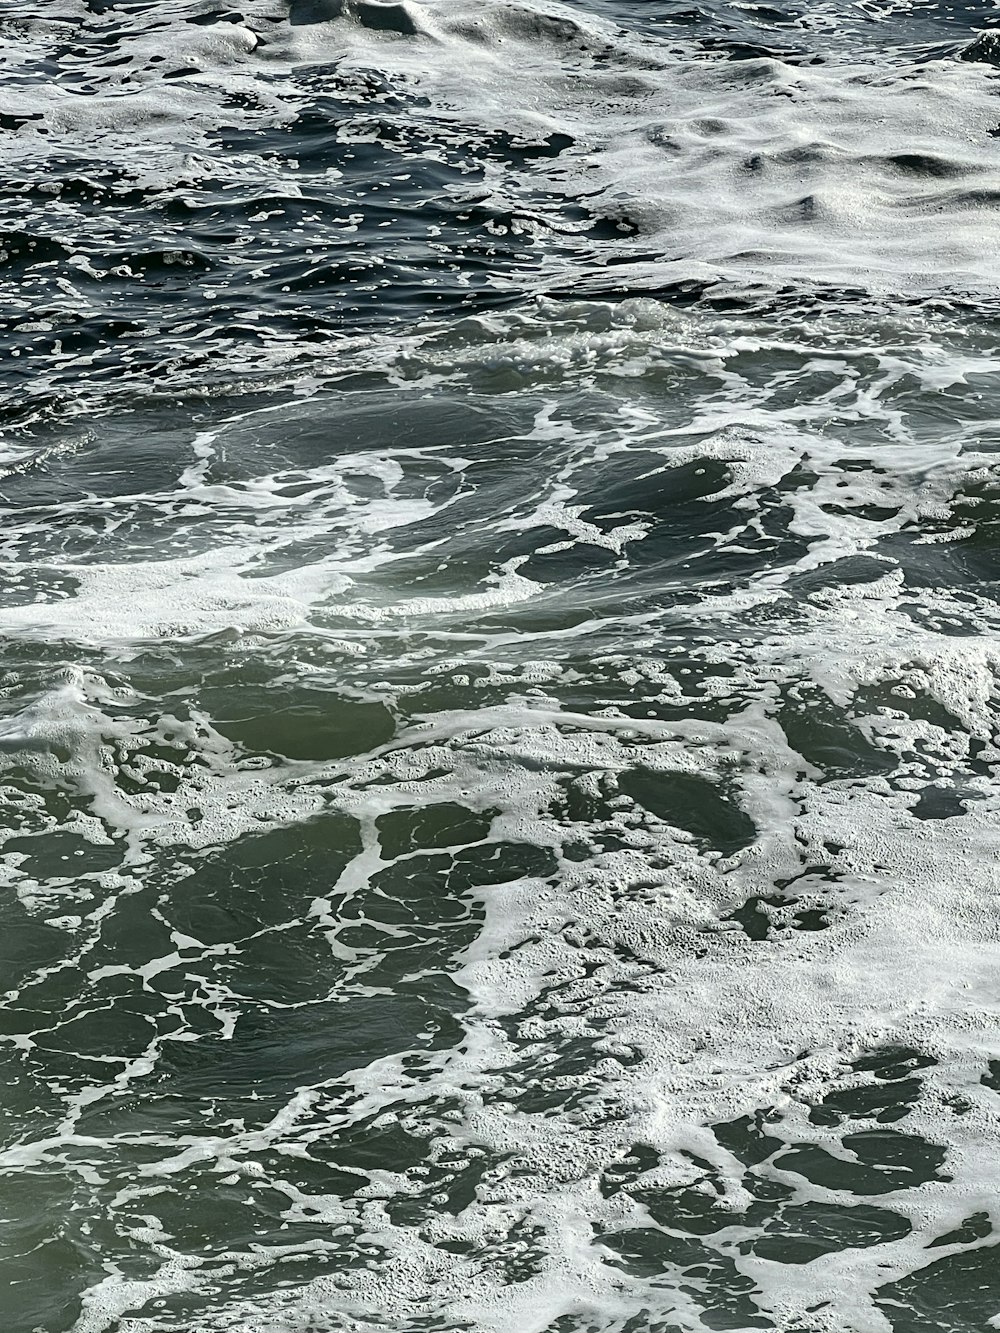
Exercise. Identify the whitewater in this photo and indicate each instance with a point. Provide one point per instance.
(499, 666)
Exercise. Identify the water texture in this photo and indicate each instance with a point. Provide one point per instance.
(500, 666)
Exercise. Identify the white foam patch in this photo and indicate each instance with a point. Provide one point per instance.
(879, 173)
(168, 599)
(837, 159)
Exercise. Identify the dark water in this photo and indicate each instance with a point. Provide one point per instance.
(499, 667)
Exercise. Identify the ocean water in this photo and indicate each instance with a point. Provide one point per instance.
(499, 666)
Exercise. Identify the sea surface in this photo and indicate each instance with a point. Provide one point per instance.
(499, 666)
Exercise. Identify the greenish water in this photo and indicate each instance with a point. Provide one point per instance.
(498, 670)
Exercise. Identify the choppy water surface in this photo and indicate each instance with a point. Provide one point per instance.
(499, 667)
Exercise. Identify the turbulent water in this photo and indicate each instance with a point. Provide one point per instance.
(500, 666)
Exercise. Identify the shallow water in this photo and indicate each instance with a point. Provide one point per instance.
(499, 667)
